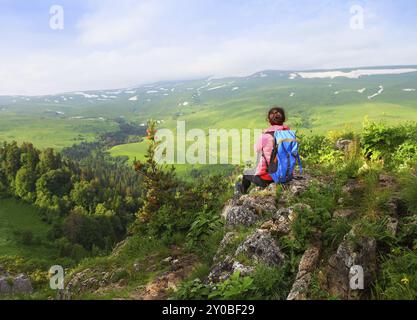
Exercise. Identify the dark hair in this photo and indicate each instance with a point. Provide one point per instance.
(280, 110)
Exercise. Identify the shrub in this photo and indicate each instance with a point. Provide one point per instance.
(380, 141)
(318, 149)
(406, 155)
(398, 276)
(203, 226)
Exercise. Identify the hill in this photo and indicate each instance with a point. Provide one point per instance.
(317, 100)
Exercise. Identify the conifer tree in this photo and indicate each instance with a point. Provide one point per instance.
(159, 181)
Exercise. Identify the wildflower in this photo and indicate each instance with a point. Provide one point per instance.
(405, 281)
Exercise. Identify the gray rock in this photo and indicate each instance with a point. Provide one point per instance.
(5, 286)
(248, 209)
(238, 215)
(362, 253)
(279, 227)
(227, 239)
(307, 265)
(343, 144)
(258, 247)
(222, 270)
(242, 269)
(259, 203)
(15, 285)
(261, 247)
(299, 184)
(22, 284)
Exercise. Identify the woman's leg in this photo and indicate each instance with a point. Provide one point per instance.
(248, 179)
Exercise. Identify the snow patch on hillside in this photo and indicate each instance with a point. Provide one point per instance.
(354, 74)
(87, 96)
(409, 90)
(362, 90)
(381, 89)
(217, 87)
(135, 98)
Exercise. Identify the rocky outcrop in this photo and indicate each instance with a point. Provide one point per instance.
(361, 252)
(248, 209)
(261, 247)
(280, 224)
(259, 206)
(258, 247)
(10, 285)
(299, 184)
(306, 267)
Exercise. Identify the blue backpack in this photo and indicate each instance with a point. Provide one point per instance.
(284, 156)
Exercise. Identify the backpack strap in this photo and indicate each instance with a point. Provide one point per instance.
(263, 154)
(299, 163)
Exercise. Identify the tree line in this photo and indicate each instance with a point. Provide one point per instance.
(89, 202)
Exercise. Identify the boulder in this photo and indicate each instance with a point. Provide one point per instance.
(258, 247)
(261, 247)
(280, 224)
(222, 270)
(20, 284)
(362, 253)
(247, 209)
(5, 286)
(306, 267)
(238, 215)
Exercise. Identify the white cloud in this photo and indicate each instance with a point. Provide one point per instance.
(129, 42)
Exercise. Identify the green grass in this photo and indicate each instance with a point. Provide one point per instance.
(46, 132)
(20, 217)
(352, 115)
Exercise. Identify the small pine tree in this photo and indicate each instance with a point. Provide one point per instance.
(160, 182)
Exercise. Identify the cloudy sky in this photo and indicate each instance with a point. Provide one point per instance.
(121, 43)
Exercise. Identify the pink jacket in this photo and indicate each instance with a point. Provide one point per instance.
(266, 142)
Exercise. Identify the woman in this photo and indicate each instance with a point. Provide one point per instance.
(259, 176)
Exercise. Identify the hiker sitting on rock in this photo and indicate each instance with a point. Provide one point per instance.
(264, 146)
